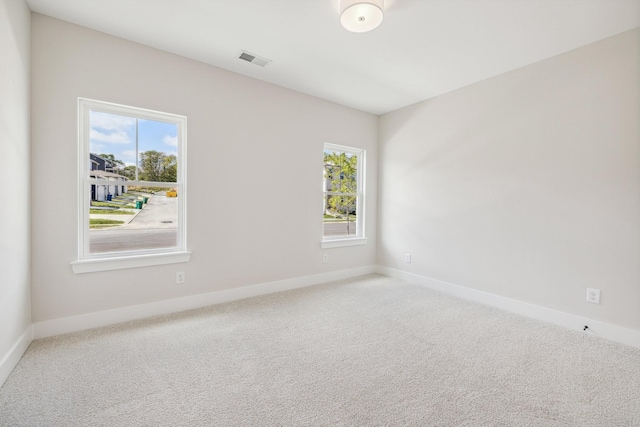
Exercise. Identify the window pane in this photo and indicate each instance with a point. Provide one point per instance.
(125, 218)
(121, 217)
(341, 171)
(339, 216)
(112, 145)
(158, 150)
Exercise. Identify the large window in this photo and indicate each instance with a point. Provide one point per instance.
(132, 187)
(343, 188)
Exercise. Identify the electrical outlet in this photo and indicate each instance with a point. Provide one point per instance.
(179, 277)
(407, 258)
(593, 295)
(325, 258)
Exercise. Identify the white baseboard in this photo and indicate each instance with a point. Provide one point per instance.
(604, 330)
(109, 317)
(82, 322)
(11, 359)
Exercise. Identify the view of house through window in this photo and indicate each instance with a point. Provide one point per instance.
(132, 184)
(342, 213)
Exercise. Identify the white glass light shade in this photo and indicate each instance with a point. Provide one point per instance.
(360, 16)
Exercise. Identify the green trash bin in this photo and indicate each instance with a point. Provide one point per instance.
(138, 204)
(145, 199)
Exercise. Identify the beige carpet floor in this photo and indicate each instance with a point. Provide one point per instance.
(371, 351)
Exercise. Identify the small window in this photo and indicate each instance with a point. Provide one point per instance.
(132, 187)
(343, 201)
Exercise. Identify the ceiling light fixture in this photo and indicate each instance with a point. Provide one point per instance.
(360, 16)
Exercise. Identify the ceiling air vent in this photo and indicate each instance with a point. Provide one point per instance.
(249, 57)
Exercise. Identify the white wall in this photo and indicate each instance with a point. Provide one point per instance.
(15, 292)
(254, 171)
(526, 185)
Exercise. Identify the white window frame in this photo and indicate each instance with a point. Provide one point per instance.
(358, 238)
(88, 262)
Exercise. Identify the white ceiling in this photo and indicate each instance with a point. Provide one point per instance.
(422, 49)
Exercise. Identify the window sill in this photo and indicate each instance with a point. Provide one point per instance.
(106, 264)
(343, 242)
